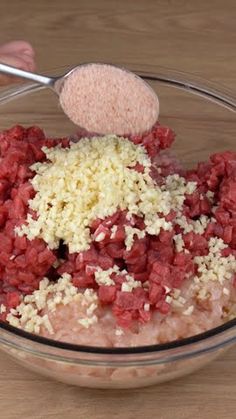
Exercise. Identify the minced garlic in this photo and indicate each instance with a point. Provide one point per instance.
(119, 332)
(179, 243)
(103, 277)
(93, 179)
(30, 315)
(130, 232)
(196, 226)
(3, 309)
(188, 311)
(214, 266)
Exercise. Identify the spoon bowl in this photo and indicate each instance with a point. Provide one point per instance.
(101, 98)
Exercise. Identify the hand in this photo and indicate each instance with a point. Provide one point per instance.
(19, 54)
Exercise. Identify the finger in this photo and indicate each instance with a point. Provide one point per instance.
(16, 47)
(28, 62)
(23, 62)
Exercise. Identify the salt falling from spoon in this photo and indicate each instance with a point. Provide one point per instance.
(106, 99)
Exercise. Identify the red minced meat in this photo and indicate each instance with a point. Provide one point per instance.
(23, 263)
(152, 259)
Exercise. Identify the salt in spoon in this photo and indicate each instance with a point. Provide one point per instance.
(101, 98)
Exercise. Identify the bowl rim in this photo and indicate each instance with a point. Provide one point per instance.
(141, 350)
(195, 86)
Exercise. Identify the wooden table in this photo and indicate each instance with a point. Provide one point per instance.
(194, 36)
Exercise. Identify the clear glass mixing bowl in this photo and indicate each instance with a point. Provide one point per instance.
(203, 118)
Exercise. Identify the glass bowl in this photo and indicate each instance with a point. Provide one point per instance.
(203, 118)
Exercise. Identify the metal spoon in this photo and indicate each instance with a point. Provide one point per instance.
(54, 83)
(127, 110)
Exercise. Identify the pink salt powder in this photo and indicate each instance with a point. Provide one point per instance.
(105, 99)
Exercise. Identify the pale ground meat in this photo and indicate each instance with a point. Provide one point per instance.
(160, 329)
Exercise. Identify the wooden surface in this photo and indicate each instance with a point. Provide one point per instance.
(194, 36)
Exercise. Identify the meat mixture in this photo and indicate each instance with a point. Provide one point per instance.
(108, 241)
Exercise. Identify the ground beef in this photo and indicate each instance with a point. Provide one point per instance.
(24, 263)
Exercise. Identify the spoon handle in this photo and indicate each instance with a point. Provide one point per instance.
(13, 71)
